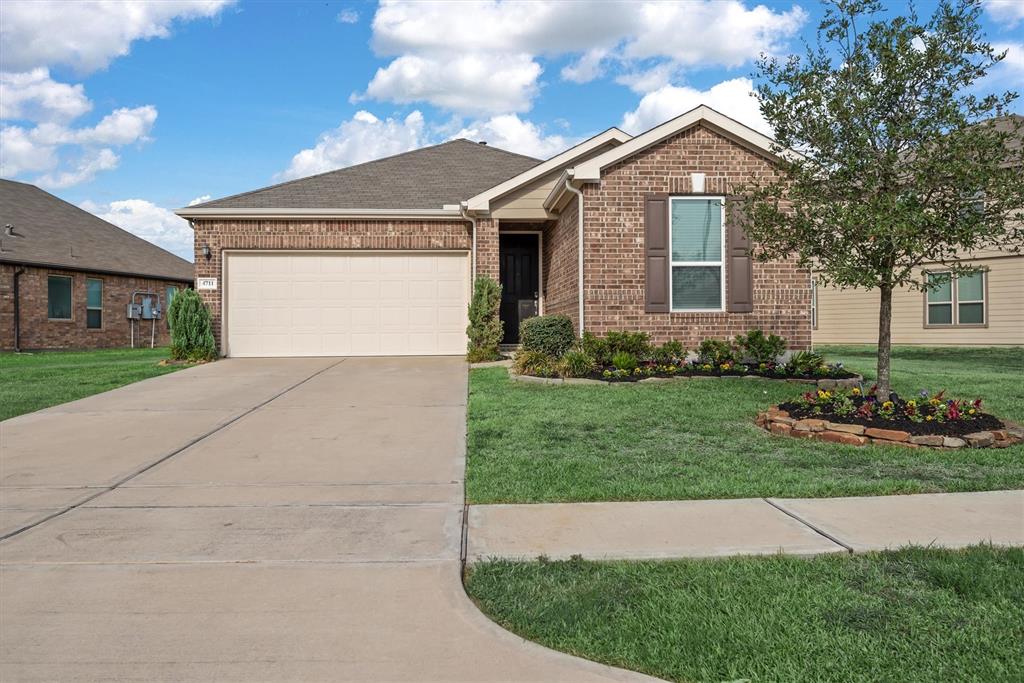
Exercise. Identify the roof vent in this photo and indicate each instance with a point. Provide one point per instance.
(482, 142)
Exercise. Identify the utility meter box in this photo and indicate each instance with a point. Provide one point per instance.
(134, 311)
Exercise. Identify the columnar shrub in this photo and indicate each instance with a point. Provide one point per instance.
(550, 334)
(191, 327)
(484, 329)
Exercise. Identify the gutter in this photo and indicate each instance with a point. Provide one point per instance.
(579, 247)
(17, 308)
(98, 271)
(472, 219)
(383, 214)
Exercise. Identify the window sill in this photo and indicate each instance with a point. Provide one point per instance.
(956, 327)
(60, 320)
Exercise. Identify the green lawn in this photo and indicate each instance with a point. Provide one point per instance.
(696, 438)
(31, 381)
(909, 615)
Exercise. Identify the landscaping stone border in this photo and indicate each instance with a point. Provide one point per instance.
(504, 363)
(778, 421)
(825, 383)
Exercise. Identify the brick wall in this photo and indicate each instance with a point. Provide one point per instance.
(614, 243)
(38, 332)
(561, 264)
(487, 264)
(326, 234)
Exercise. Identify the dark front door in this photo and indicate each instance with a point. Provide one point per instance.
(520, 281)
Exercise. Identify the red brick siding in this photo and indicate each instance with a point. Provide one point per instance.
(614, 241)
(487, 248)
(561, 264)
(38, 332)
(327, 234)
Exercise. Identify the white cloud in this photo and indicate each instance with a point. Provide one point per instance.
(1010, 71)
(200, 200)
(87, 35)
(362, 138)
(348, 16)
(33, 95)
(734, 98)
(513, 134)
(84, 169)
(586, 68)
(1008, 12)
(120, 127)
(19, 154)
(647, 80)
(150, 222)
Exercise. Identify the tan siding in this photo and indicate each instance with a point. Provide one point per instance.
(851, 316)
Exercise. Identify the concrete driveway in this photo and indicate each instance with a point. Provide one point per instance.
(249, 520)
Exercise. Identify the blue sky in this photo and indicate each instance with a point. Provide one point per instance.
(133, 109)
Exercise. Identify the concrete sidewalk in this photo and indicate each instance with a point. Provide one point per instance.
(753, 526)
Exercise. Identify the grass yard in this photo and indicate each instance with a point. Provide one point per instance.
(909, 615)
(696, 438)
(32, 381)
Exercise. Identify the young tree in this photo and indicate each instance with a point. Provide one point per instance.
(191, 327)
(901, 163)
(484, 329)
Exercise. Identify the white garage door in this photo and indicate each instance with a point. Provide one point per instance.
(346, 304)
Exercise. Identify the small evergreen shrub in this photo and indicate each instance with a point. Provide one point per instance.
(596, 348)
(805, 363)
(761, 348)
(576, 363)
(669, 352)
(716, 352)
(550, 334)
(626, 361)
(191, 328)
(635, 343)
(484, 329)
(536, 363)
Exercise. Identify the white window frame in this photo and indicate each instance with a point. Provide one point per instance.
(720, 263)
(955, 301)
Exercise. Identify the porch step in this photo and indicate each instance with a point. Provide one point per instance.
(508, 348)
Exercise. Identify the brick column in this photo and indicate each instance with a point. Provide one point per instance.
(208, 233)
(487, 248)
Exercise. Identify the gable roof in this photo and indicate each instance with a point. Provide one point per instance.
(52, 232)
(481, 202)
(422, 180)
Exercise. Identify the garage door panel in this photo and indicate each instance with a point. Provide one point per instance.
(344, 303)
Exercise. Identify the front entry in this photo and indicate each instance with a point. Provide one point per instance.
(519, 256)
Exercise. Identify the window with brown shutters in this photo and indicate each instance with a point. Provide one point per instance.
(739, 262)
(696, 254)
(656, 256)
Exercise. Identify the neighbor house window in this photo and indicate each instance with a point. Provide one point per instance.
(169, 295)
(93, 304)
(955, 300)
(58, 302)
(697, 235)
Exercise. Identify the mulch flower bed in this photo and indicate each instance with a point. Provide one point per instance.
(699, 369)
(859, 417)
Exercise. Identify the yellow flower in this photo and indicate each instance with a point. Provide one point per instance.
(887, 405)
(855, 391)
(912, 403)
(971, 411)
(929, 418)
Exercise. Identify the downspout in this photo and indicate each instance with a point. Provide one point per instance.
(472, 258)
(579, 244)
(17, 309)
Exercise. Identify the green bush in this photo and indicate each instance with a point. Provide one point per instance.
(761, 348)
(596, 348)
(550, 334)
(636, 343)
(484, 329)
(669, 352)
(191, 327)
(624, 360)
(805, 362)
(716, 352)
(535, 363)
(575, 363)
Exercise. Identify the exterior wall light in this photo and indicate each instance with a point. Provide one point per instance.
(206, 251)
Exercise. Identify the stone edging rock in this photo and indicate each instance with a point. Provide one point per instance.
(779, 422)
(820, 383)
(505, 363)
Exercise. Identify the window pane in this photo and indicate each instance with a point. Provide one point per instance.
(696, 230)
(971, 287)
(94, 318)
(944, 292)
(697, 287)
(940, 314)
(94, 293)
(971, 314)
(169, 297)
(59, 298)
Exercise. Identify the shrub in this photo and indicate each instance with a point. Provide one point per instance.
(669, 352)
(191, 327)
(636, 343)
(758, 347)
(550, 334)
(535, 363)
(716, 352)
(624, 360)
(484, 329)
(805, 363)
(596, 348)
(575, 363)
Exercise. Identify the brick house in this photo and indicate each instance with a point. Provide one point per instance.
(618, 232)
(67, 277)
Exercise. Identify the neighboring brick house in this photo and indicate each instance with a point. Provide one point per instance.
(67, 277)
(378, 259)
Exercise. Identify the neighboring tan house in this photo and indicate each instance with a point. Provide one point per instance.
(618, 233)
(982, 309)
(67, 277)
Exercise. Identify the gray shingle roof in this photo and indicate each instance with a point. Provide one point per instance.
(426, 178)
(56, 233)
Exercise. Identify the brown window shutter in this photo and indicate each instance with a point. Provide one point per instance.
(656, 254)
(739, 276)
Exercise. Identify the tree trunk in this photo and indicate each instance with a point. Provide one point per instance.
(884, 342)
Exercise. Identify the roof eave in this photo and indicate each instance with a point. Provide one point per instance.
(255, 213)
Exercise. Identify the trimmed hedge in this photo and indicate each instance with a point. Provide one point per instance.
(550, 334)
